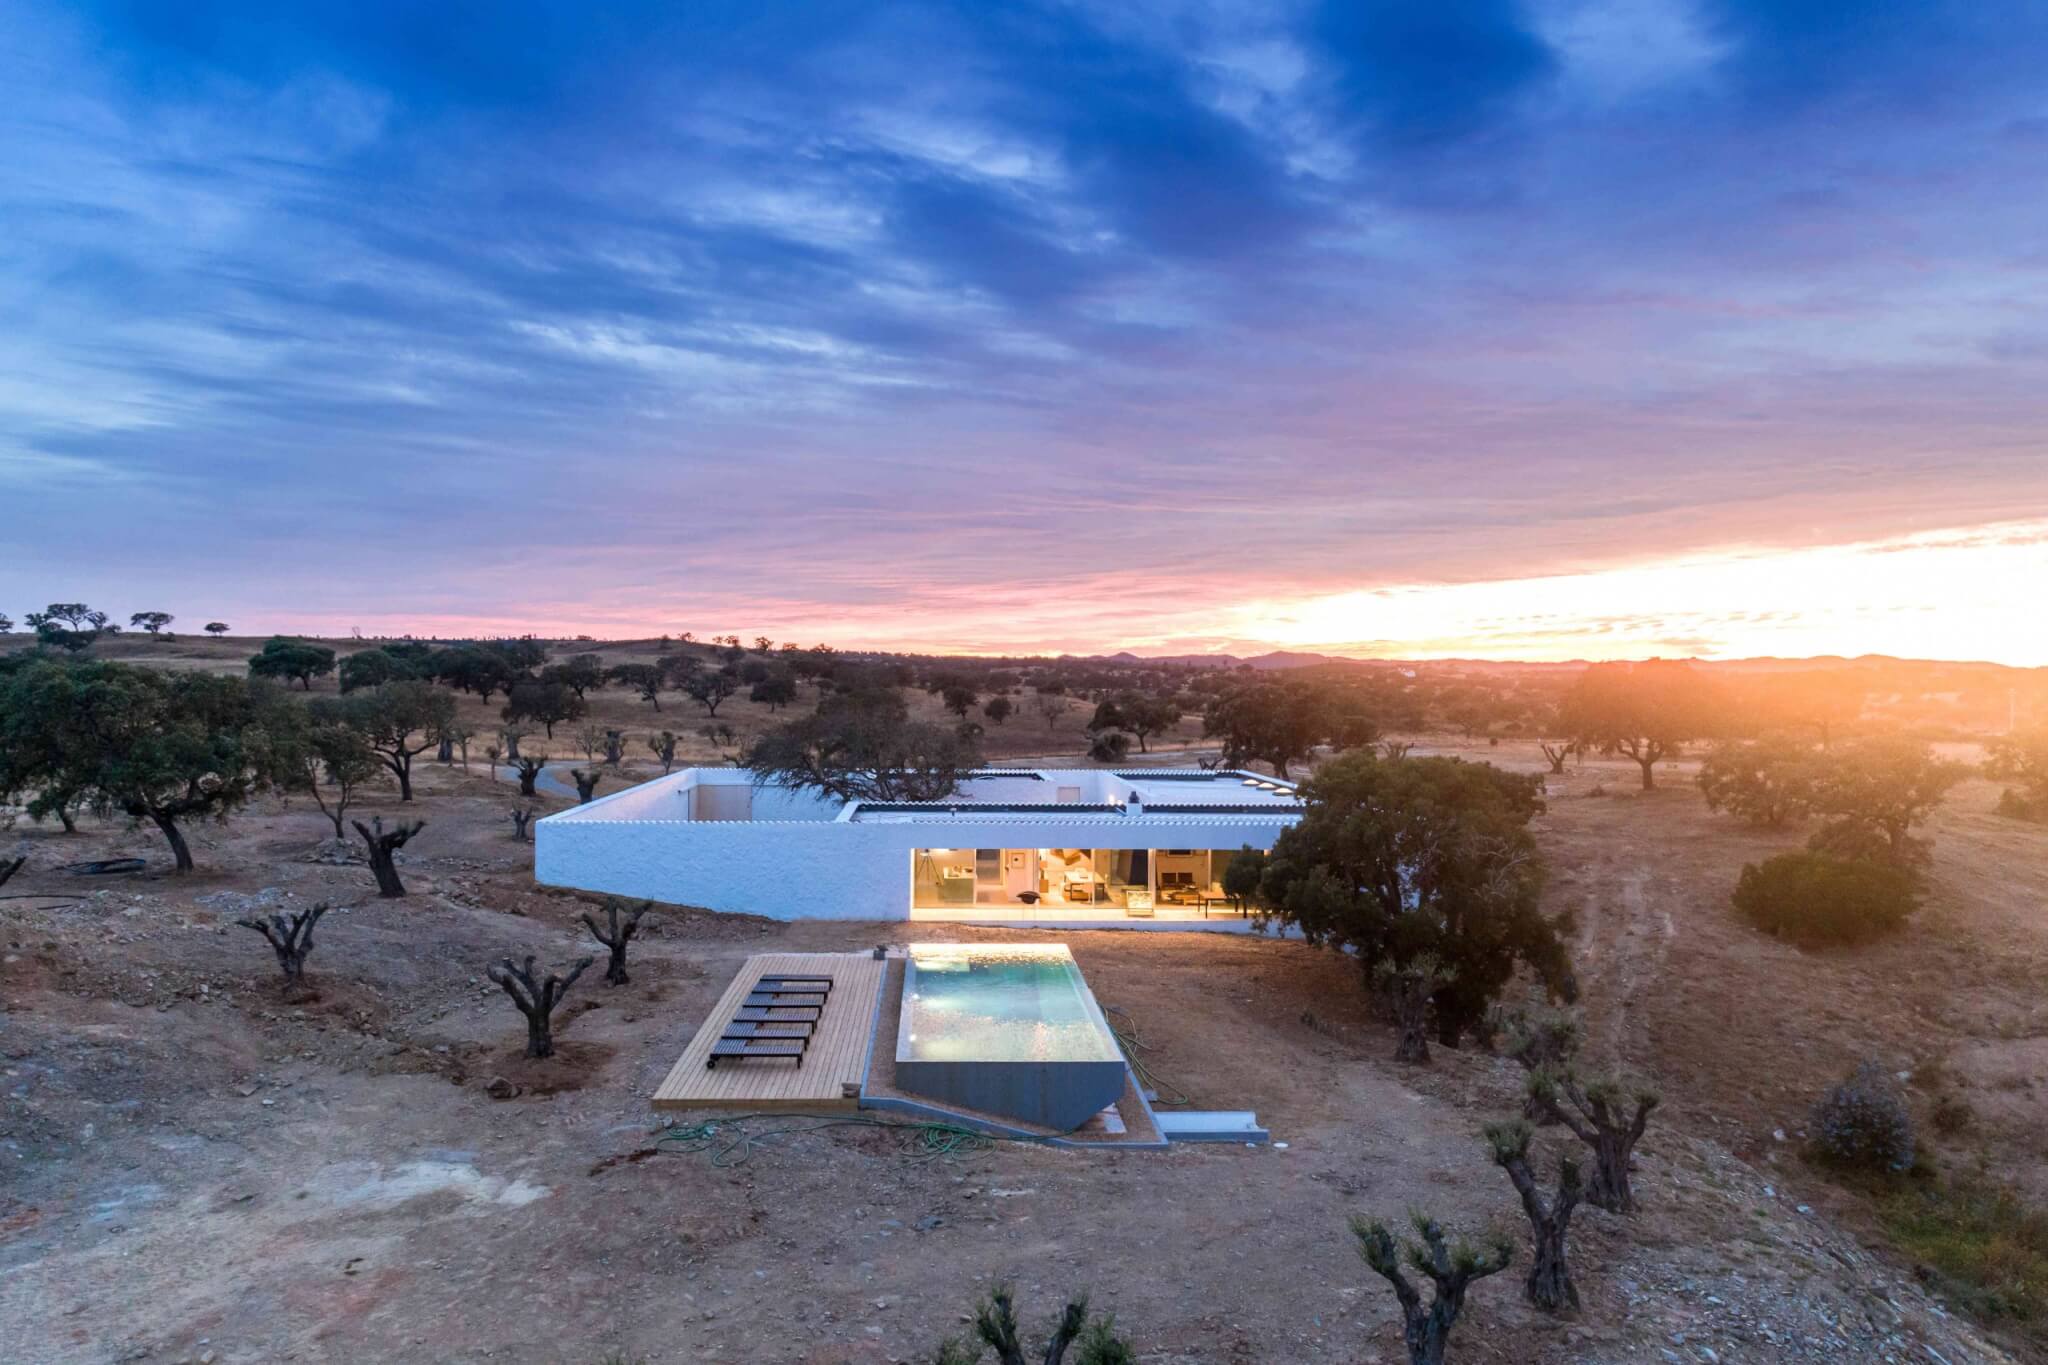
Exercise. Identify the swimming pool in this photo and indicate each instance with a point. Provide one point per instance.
(1010, 1029)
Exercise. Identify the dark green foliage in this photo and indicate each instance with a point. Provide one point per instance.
(1422, 856)
(663, 746)
(1142, 715)
(69, 626)
(995, 1327)
(390, 663)
(1818, 901)
(1874, 792)
(580, 673)
(315, 752)
(1426, 1328)
(1110, 747)
(165, 747)
(1241, 876)
(863, 746)
(1765, 782)
(298, 660)
(775, 690)
(399, 719)
(150, 622)
(1276, 723)
(999, 709)
(482, 669)
(216, 628)
(1864, 1124)
(548, 703)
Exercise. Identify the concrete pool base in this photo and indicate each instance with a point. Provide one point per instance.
(879, 1091)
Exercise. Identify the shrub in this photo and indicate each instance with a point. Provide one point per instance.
(1863, 1123)
(1817, 900)
(2019, 805)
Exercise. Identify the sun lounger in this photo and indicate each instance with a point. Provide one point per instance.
(780, 1028)
(742, 1048)
(777, 1014)
(768, 1000)
(815, 984)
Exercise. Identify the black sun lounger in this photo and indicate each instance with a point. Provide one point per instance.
(769, 1000)
(779, 1028)
(756, 1047)
(778, 1014)
(794, 983)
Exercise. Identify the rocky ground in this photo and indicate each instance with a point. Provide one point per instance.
(195, 1166)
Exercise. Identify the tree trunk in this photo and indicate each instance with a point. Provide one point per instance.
(385, 869)
(64, 816)
(526, 776)
(540, 1035)
(1550, 1286)
(1649, 766)
(176, 837)
(404, 770)
(1610, 1188)
(615, 970)
(447, 751)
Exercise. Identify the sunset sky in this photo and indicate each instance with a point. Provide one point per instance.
(1544, 330)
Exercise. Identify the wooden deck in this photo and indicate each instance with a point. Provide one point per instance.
(838, 1054)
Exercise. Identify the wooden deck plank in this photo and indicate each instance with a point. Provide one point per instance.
(836, 1058)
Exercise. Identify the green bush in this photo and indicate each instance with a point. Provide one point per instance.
(1816, 900)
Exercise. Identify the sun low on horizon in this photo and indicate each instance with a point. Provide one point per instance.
(1542, 330)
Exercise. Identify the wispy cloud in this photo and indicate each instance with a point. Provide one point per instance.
(1008, 326)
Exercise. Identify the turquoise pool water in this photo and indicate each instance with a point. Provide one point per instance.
(1000, 1004)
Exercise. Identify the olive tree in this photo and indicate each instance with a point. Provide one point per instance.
(1452, 1270)
(536, 997)
(285, 658)
(1874, 792)
(400, 720)
(863, 746)
(995, 1327)
(1644, 711)
(290, 937)
(1769, 783)
(1422, 861)
(158, 746)
(615, 933)
(1549, 1285)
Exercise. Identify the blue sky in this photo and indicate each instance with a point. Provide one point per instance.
(1010, 327)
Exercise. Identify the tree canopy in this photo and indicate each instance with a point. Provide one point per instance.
(863, 746)
(1401, 860)
(1646, 711)
(285, 658)
(166, 747)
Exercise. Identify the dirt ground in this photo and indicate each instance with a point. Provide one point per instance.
(195, 1168)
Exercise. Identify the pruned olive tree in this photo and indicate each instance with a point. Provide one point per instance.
(615, 933)
(1426, 1327)
(536, 998)
(521, 816)
(586, 783)
(995, 1328)
(290, 937)
(1605, 1114)
(1549, 1285)
(529, 767)
(383, 846)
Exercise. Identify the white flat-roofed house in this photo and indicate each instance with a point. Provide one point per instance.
(1072, 846)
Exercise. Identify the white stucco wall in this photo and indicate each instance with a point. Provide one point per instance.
(812, 867)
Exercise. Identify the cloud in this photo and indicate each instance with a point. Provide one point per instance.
(1083, 313)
